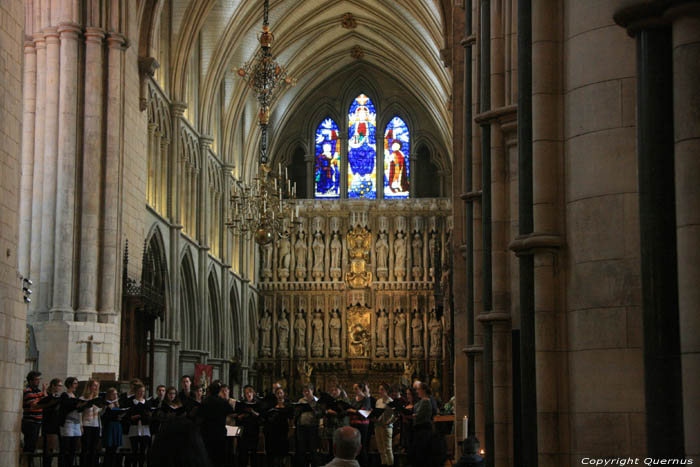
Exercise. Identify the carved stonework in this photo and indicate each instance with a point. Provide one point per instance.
(336, 248)
(435, 329)
(359, 276)
(265, 327)
(334, 327)
(417, 334)
(283, 335)
(317, 338)
(400, 334)
(358, 326)
(349, 21)
(382, 334)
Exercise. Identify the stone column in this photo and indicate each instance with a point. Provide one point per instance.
(203, 202)
(38, 176)
(150, 175)
(412, 162)
(26, 191)
(686, 102)
(50, 166)
(92, 173)
(176, 159)
(310, 188)
(110, 278)
(63, 300)
(164, 175)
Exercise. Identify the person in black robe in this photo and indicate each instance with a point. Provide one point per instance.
(276, 429)
(212, 422)
(248, 418)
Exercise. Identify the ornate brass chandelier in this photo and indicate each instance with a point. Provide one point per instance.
(265, 207)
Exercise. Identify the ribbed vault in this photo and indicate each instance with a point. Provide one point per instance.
(402, 38)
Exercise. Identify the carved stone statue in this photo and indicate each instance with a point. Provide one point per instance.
(300, 250)
(432, 245)
(318, 248)
(382, 248)
(400, 334)
(336, 246)
(334, 326)
(284, 251)
(265, 328)
(400, 256)
(417, 334)
(435, 338)
(317, 340)
(283, 335)
(300, 334)
(417, 250)
(267, 261)
(417, 245)
(382, 328)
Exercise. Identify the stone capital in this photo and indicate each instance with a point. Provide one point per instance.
(635, 15)
(178, 109)
(39, 40)
(205, 141)
(51, 35)
(117, 40)
(148, 65)
(69, 30)
(29, 47)
(95, 35)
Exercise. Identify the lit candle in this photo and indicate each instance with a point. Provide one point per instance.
(285, 173)
(297, 210)
(465, 427)
(279, 169)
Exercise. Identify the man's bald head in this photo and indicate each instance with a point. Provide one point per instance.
(346, 442)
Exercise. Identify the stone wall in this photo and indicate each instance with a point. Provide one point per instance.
(12, 310)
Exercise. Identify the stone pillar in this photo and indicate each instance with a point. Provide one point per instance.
(38, 177)
(203, 202)
(26, 191)
(92, 174)
(165, 176)
(63, 307)
(50, 167)
(686, 102)
(412, 163)
(110, 277)
(310, 188)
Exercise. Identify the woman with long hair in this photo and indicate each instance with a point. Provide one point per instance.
(91, 424)
(360, 406)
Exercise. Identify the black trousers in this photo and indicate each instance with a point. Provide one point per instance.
(248, 449)
(88, 446)
(69, 445)
(363, 457)
(30, 430)
(139, 449)
(307, 443)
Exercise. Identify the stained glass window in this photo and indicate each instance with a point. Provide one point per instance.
(396, 150)
(362, 148)
(327, 169)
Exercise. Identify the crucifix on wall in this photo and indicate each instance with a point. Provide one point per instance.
(90, 342)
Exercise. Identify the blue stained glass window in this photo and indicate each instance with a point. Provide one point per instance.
(327, 169)
(362, 148)
(396, 150)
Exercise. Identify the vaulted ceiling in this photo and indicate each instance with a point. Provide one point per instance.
(403, 37)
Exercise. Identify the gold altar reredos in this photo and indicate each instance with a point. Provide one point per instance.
(350, 295)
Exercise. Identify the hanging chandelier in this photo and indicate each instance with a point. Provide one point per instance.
(264, 208)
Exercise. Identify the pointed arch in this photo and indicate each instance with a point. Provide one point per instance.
(362, 147)
(236, 316)
(189, 322)
(216, 341)
(155, 276)
(396, 167)
(327, 160)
